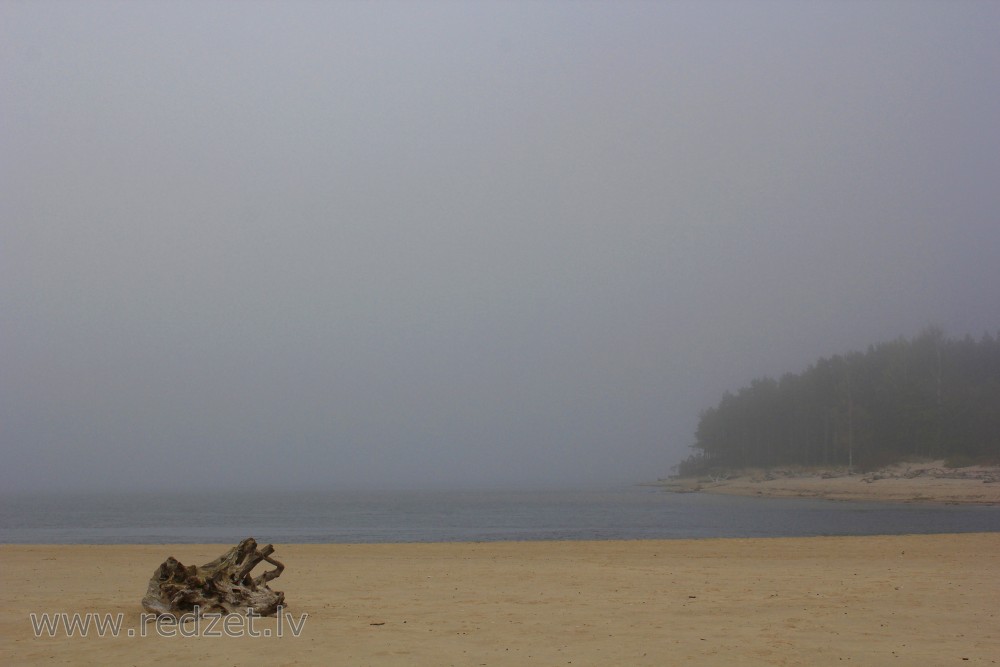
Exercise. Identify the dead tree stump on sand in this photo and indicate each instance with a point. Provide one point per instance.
(222, 586)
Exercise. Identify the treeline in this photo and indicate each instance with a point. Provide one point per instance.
(929, 397)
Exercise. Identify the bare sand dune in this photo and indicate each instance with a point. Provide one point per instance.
(906, 482)
(902, 600)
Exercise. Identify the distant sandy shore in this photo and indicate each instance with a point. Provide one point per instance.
(906, 482)
(901, 600)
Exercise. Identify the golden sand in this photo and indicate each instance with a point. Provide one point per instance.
(901, 600)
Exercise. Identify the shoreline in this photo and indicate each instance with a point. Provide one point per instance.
(910, 599)
(929, 482)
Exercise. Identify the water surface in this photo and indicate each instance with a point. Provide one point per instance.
(460, 516)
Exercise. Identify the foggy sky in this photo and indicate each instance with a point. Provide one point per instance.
(373, 244)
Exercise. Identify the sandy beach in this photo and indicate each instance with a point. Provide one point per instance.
(904, 600)
(929, 482)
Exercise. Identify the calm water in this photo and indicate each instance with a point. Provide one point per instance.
(627, 513)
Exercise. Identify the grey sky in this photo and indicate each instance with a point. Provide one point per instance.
(434, 244)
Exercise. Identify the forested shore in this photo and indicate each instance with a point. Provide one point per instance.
(927, 397)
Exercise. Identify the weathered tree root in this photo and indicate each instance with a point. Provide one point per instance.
(222, 586)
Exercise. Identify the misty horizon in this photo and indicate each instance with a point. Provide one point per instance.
(466, 245)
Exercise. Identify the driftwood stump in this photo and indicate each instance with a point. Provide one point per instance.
(222, 586)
